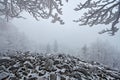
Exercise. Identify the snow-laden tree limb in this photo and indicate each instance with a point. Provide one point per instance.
(100, 12)
(37, 8)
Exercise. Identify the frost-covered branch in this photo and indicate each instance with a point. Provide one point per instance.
(100, 12)
(37, 8)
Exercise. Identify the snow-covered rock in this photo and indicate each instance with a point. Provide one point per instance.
(4, 75)
(53, 67)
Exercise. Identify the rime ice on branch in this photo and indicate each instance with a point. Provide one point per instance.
(37, 8)
(100, 12)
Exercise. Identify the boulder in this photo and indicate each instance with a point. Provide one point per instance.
(28, 65)
(3, 68)
(49, 65)
(4, 75)
(33, 78)
(53, 77)
(42, 72)
(13, 69)
(62, 78)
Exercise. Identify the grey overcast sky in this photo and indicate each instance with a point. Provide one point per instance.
(70, 34)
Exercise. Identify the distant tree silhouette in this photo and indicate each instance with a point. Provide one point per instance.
(55, 46)
(48, 49)
(11, 38)
(37, 8)
(84, 51)
(100, 12)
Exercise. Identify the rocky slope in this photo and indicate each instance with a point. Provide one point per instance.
(24, 66)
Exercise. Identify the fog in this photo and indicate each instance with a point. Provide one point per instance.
(70, 34)
(35, 44)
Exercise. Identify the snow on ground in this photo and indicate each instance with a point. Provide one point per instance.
(53, 67)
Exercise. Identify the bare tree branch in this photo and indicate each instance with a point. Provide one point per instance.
(37, 8)
(100, 12)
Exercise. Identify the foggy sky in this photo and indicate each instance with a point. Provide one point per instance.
(69, 34)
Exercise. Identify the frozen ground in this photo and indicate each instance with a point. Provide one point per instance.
(25, 66)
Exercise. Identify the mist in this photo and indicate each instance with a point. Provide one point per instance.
(28, 37)
(70, 34)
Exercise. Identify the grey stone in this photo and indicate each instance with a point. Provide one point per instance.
(53, 77)
(62, 78)
(4, 75)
